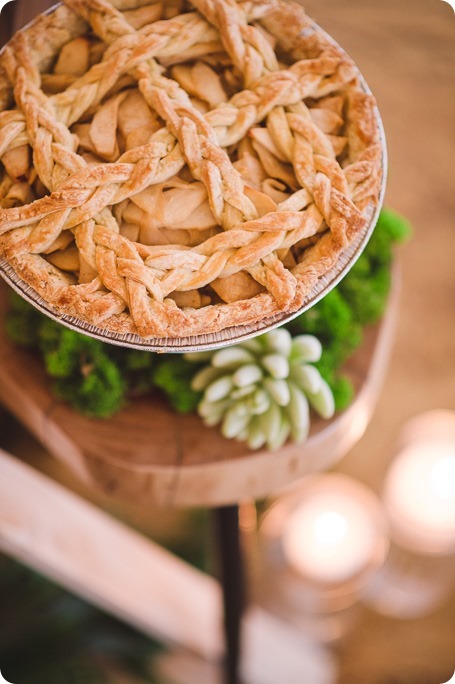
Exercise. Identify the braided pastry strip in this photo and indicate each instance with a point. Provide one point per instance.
(235, 118)
(90, 89)
(327, 186)
(164, 101)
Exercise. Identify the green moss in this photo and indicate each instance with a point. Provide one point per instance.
(173, 376)
(367, 297)
(22, 322)
(97, 389)
(360, 299)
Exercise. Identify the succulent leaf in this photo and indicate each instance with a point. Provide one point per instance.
(247, 375)
(298, 413)
(219, 389)
(270, 422)
(260, 402)
(204, 377)
(307, 377)
(282, 434)
(256, 346)
(243, 391)
(280, 341)
(232, 357)
(256, 435)
(276, 365)
(278, 390)
(260, 390)
(323, 401)
(306, 347)
(235, 421)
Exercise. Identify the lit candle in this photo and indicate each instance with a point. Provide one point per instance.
(419, 498)
(331, 535)
(419, 495)
(320, 546)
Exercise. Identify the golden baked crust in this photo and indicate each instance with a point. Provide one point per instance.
(201, 166)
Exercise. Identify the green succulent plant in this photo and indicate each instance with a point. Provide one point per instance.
(260, 391)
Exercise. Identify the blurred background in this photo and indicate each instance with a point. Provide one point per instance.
(406, 53)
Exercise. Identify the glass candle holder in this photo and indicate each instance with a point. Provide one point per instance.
(318, 547)
(419, 499)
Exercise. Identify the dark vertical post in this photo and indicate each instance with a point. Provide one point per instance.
(233, 582)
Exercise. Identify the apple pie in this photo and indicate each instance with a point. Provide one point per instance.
(180, 167)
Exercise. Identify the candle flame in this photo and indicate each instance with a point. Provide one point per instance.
(442, 478)
(419, 495)
(330, 528)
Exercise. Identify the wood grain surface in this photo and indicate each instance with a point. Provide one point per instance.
(148, 452)
(107, 563)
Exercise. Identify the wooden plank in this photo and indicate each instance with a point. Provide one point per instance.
(56, 532)
(71, 541)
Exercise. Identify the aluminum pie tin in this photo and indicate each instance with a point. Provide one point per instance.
(234, 334)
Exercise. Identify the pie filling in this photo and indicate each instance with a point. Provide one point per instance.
(178, 168)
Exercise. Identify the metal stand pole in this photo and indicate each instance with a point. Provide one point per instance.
(233, 582)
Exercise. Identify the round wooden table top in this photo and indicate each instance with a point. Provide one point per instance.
(150, 453)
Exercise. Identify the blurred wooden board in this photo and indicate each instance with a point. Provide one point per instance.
(150, 453)
(84, 549)
(99, 558)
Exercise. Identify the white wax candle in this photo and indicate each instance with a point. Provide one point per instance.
(332, 535)
(419, 495)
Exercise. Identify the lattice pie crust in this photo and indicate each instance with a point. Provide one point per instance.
(178, 168)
